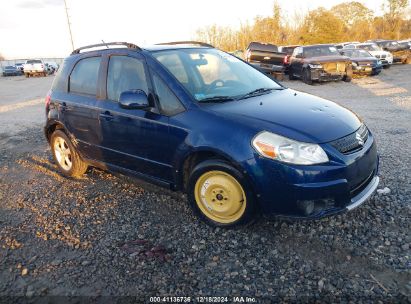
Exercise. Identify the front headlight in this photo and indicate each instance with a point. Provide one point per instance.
(315, 66)
(281, 148)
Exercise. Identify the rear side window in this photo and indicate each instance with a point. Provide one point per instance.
(169, 104)
(124, 74)
(83, 78)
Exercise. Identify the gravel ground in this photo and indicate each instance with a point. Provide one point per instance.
(108, 235)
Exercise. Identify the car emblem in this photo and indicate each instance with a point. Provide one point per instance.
(359, 138)
(267, 58)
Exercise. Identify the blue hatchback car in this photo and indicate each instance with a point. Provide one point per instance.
(192, 118)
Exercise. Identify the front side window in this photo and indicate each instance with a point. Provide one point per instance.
(83, 78)
(125, 74)
(211, 73)
(169, 104)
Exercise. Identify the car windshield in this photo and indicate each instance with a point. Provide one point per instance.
(359, 54)
(212, 74)
(9, 67)
(33, 61)
(318, 51)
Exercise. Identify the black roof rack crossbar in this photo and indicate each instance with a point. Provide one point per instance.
(127, 44)
(187, 42)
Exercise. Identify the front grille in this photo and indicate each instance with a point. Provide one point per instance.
(352, 142)
(383, 56)
(377, 56)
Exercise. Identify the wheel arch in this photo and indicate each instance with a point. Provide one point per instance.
(51, 127)
(193, 158)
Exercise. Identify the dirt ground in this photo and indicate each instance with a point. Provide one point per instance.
(106, 236)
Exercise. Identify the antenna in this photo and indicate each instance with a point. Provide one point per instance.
(105, 43)
(69, 26)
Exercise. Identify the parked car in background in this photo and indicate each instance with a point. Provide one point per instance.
(288, 50)
(49, 68)
(385, 57)
(320, 62)
(53, 65)
(363, 62)
(405, 43)
(195, 119)
(400, 52)
(11, 70)
(341, 45)
(265, 57)
(20, 67)
(35, 67)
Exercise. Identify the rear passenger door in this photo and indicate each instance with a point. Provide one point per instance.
(78, 106)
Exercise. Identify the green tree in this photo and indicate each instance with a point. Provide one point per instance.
(351, 13)
(393, 17)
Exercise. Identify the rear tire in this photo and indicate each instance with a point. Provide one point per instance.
(220, 195)
(307, 77)
(347, 78)
(66, 156)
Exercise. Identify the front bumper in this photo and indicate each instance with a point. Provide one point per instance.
(316, 191)
(367, 70)
(321, 75)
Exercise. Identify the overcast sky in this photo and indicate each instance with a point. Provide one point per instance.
(38, 28)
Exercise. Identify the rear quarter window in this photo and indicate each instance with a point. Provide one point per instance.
(83, 78)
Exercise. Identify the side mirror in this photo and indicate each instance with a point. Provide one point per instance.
(133, 99)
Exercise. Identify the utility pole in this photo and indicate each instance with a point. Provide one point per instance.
(69, 26)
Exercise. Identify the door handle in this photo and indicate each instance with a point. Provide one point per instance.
(106, 115)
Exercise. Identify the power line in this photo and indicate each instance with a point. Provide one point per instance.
(69, 25)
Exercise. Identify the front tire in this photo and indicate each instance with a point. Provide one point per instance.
(307, 77)
(290, 74)
(220, 194)
(65, 155)
(347, 78)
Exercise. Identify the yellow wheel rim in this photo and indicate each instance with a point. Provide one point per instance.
(220, 197)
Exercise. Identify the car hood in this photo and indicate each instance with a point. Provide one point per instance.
(364, 59)
(293, 114)
(324, 59)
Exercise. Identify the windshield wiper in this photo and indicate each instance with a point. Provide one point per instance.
(258, 92)
(216, 99)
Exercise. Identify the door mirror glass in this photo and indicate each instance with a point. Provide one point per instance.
(133, 99)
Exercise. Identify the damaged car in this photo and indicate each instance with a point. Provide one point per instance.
(363, 63)
(320, 62)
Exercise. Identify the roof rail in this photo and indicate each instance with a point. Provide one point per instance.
(187, 42)
(106, 44)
